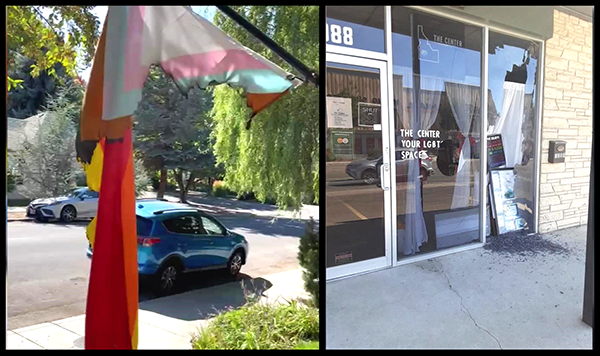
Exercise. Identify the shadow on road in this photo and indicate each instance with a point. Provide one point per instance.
(250, 224)
(204, 303)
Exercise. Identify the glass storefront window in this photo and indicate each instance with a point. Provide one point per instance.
(513, 66)
(358, 27)
(428, 184)
(437, 118)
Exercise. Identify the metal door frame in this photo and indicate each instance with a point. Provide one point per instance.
(378, 263)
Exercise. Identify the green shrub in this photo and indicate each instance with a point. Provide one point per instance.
(218, 189)
(308, 256)
(259, 326)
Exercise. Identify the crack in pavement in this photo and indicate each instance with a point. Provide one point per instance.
(463, 308)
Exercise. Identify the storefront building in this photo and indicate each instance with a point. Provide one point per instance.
(448, 124)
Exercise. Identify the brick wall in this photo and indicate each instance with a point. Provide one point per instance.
(567, 115)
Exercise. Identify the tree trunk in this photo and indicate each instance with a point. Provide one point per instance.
(162, 185)
(190, 182)
(180, 184)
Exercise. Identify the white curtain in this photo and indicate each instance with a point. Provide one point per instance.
(464, 102)
(416, 231)
(510, 122)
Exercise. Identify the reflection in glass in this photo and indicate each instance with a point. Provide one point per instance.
(437, 111)
(513, 65)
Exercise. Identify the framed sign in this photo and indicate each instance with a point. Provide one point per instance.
(504, 202)
(369, 114)
(339, 112)
(342, 142)
(496, 156)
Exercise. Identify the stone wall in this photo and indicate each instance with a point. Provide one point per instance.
(567, 115)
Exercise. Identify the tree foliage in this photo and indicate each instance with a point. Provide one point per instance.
(31, 96)
(46, 162)
(51, 39)
(308, 256)
(279, 156)
(172, 130)
(141, 177)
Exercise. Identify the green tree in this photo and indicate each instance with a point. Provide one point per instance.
(51, 39)
(172, 132)
(46, 162)
(278, 157)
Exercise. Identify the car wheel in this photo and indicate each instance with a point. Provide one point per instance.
(234, 265)
(369, 176)
(167, 278)
(68, 213)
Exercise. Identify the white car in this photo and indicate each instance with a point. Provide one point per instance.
(78, 203)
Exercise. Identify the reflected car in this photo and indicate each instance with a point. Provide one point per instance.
(78, 203)
(174, 238)
(367, 169)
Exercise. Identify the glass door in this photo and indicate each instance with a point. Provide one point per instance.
(358, 175)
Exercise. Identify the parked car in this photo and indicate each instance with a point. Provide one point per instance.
(78, 203)
(367, 169)
(175, 238)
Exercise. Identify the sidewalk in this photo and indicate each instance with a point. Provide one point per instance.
(508, 298)
(16, 213)
(169, 322)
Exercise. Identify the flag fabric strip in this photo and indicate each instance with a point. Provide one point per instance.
(195, 53)
(187, 46)
(112, 302)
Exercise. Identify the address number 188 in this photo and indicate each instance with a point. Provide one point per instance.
(339, 34)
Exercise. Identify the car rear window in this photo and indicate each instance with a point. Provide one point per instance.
(144, 226)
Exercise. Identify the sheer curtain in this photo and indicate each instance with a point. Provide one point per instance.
(464, 102)
(429, 98)
(510, 122)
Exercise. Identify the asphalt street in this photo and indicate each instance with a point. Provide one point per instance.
(48, 270)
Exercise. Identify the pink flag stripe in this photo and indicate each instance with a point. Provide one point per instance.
(211, 63)
(135, 73)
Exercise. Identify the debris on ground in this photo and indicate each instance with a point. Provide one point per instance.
(522, 243)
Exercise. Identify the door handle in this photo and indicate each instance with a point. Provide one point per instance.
(383, 168)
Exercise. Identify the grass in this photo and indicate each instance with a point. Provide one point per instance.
(258, 326)
(307, 345)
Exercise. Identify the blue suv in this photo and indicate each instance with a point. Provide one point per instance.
(176, 238)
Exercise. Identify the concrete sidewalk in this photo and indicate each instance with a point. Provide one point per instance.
(169, 322)
(476, 299)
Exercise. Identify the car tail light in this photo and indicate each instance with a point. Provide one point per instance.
(148, 241)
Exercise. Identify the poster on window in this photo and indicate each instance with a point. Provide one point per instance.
(342, 142)
(505, 204)
(495, 148)
(369, 114)
(339, 113)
